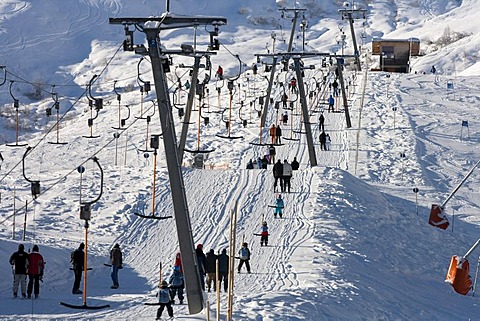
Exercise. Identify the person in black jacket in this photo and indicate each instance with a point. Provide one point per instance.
(201, 264)
(210, 268)
(223, 269)
(278, 174)
(278, 135)
(295, 164)
(78, 264)
(19, 262)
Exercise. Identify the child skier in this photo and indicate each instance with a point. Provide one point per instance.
(165, 300)
(264, 234)
(279, 205)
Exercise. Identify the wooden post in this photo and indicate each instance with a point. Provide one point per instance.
(217, 274)
(25, 220)
(14, 213)
(208, 310)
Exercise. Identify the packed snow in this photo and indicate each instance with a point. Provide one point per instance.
(354, 242)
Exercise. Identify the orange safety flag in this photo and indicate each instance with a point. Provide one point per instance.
(458, 276)
(437, 217)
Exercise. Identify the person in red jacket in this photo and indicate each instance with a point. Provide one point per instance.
(35, 272)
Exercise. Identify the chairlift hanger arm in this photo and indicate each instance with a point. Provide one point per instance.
(90, 87)
(10, 90)
(95, 159)
(4, 75)
(29, 149)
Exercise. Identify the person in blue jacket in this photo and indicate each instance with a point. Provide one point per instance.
(176, 282)
(279, 205)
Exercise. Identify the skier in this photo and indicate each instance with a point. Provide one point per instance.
(223, 269)
(277, 174)
(285, 117)
(116, 259)
(19, 262)
(36, 265)
(271, 154)
(187, 85)
(78, 263)
(244, 254)
(323, 140)
(264, 234)
(278, 135)
(177, 284)
(284, 100)
(295, 164)
(331, 102)
(287, 176)
(335, 88)
(259, 163)
(254, 69)
(250, 164)
(279, 205)
(293, 85)
(273, 132)
(321, 120)
(165, 300)
(201, 264)
(433, 70)
(211, 269)
(328, 142)
(219, 73)
(264, 162)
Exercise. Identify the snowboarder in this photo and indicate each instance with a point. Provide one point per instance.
(295, 164)
(244, 254)
(116, 259)
(78, 264)
(323, 140)
(278, 135)
(165, 300)
(219, 73)
(177, 284)
(223, 269)
(264, 234)
(287, 176)
(279, 205)
(19, 262)
(211, 269)
(187, 85)
(201, 264)
(36, 265)
(321, 120)
(278, 175)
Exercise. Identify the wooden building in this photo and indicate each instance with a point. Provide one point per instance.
(394, 54)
